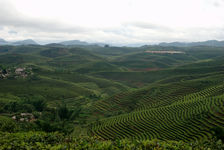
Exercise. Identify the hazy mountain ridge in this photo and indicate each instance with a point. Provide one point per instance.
(2, 41)
(74, 42)
(25, 42)
(203, 43)
(22, 42)
(214, 43)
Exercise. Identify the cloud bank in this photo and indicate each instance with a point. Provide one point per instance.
(112, 21)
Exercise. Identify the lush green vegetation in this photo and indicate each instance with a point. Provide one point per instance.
(61, 97)
(42, 140)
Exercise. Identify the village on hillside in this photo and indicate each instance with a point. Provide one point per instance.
(15, 72)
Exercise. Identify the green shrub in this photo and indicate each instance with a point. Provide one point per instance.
(57, 141)
(7, 124)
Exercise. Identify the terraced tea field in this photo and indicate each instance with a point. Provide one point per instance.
(150, 97)
(111, 95)
(187, 118)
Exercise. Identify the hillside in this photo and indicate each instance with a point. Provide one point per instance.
(171, 94)
(22, 42)
(185, 111)
(213, 43)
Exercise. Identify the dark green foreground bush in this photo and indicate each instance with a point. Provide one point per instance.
(57, 141)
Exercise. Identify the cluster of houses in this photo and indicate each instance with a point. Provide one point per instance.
(19, 72)
(28, 117)
(4, 73)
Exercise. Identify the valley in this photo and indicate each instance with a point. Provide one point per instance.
(140, 94)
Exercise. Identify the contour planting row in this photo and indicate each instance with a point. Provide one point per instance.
(190, 120)
(179, 98)
(119, 101)
(108, 104)
(149, 98)
(168, 94)
(213, 91)
(152, 97)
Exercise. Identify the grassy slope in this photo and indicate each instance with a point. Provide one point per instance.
(185, 105)
(54, 76)
(176, 111)
(101, 80)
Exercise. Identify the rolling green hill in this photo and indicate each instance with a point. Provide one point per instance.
(172, 112)
(112, 93)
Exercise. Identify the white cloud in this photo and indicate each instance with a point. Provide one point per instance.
(121, 21)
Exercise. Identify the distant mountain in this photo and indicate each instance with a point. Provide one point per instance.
(78, 42)
(25, 42)
(135, 45)
(3, 42)
(99, 44)
(204, 43)
(54, 45)
(74, 42)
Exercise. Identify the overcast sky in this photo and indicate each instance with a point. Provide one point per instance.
(112, 21)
